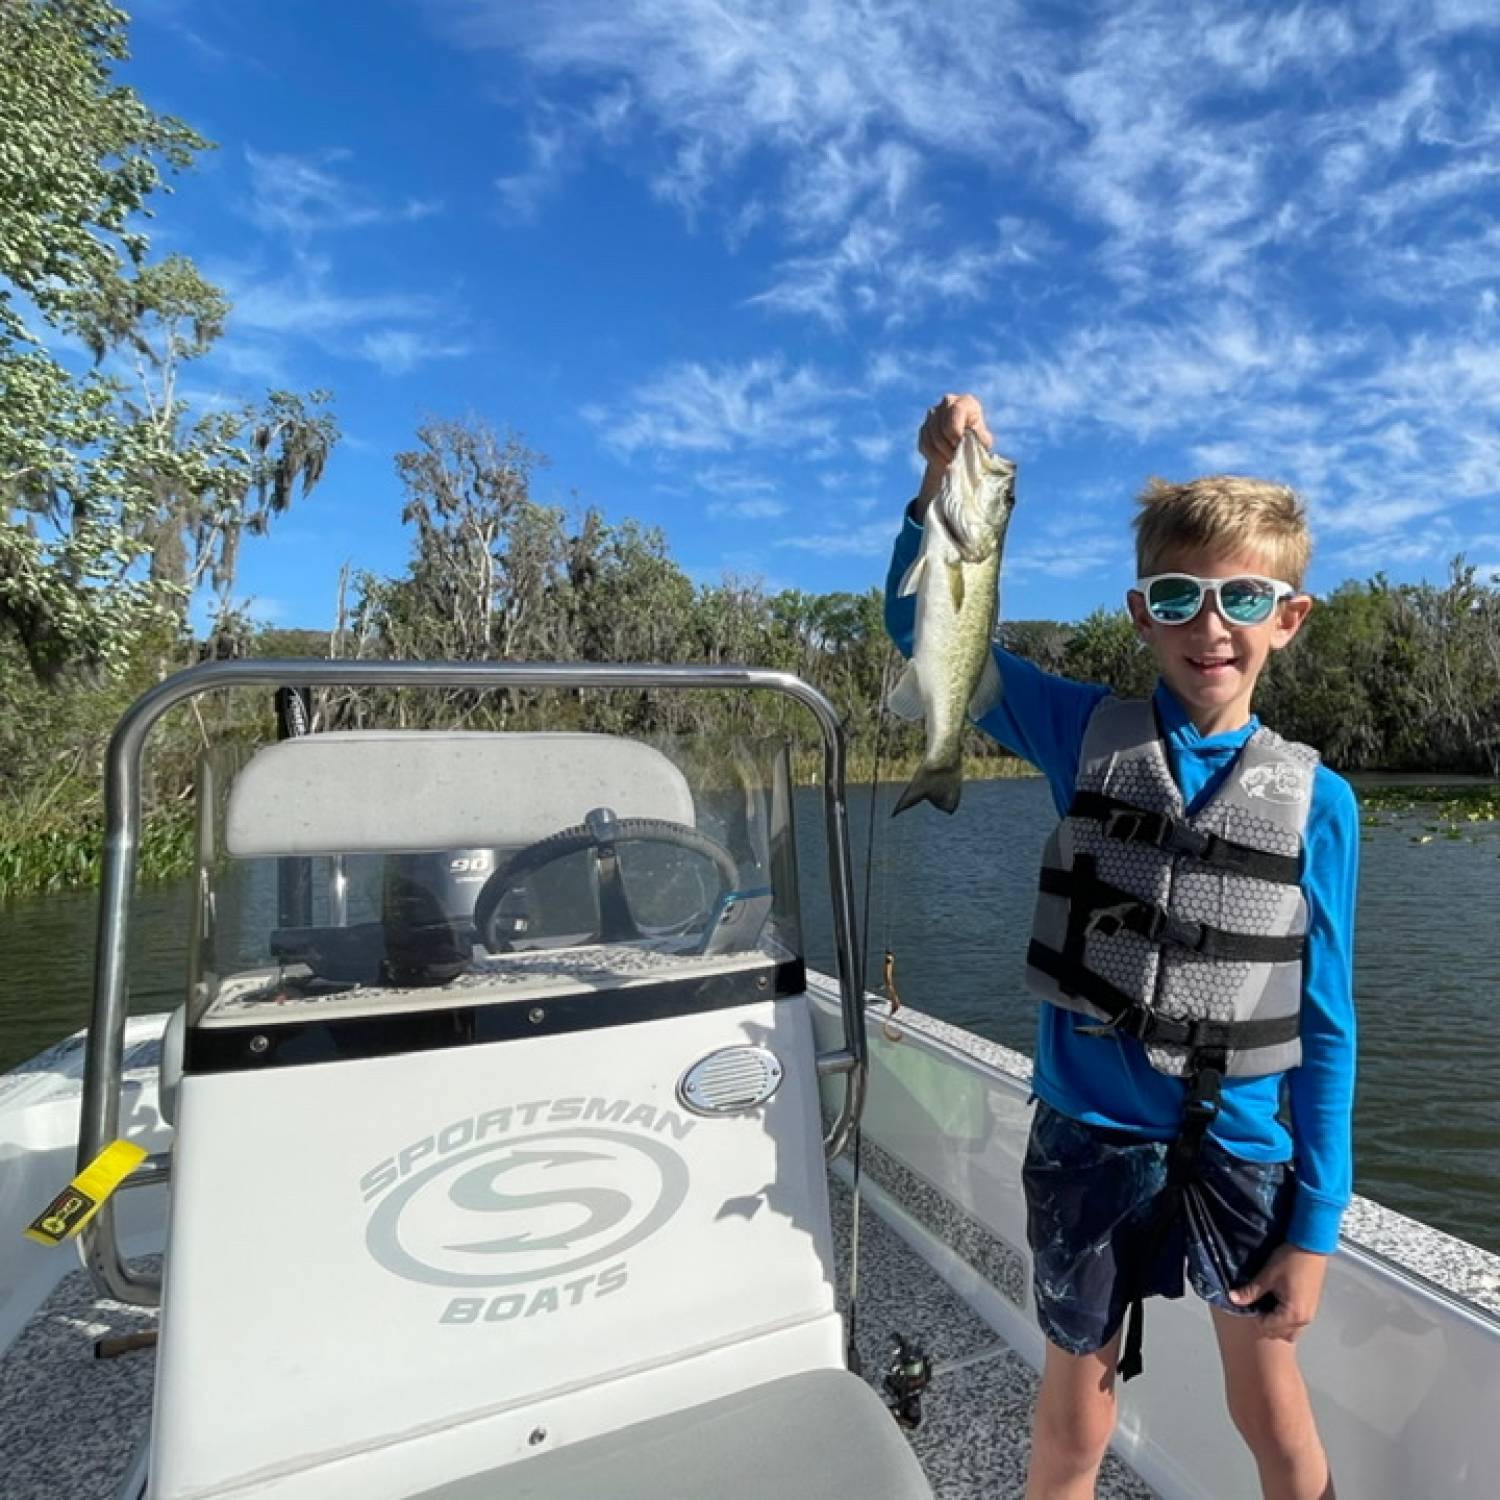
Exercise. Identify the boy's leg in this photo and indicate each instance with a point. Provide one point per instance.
(1075, 1415)
(1268, 1404)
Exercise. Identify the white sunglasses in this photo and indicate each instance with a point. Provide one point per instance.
(1246, 599)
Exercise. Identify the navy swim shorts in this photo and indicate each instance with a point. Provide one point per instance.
(1093, 1201)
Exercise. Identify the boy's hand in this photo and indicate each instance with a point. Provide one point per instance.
(1294, 1277)
(938, 441)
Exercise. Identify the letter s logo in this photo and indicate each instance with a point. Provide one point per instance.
(476, 1191)
(571, 1197)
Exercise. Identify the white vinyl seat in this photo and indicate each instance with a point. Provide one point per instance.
(379, 791)
(820, 1435)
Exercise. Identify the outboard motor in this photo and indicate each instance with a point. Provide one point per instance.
(427, 910)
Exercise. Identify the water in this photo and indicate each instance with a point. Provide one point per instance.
(953, 898)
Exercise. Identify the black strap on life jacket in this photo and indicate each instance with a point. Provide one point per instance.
(1205, 1080)
(1112, 910)
(1140, 825)
(1131, 1018)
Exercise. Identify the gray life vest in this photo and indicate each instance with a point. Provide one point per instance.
(1183, 930)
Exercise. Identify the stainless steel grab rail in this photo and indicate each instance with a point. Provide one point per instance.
(122, 817)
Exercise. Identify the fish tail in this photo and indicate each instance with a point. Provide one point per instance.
(940, 785)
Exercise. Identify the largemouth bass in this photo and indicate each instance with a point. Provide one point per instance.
(956, 578)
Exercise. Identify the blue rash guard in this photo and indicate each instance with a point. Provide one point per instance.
(1042, 718)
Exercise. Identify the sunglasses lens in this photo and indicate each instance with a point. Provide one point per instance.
(1173, 600)
(1247, 601)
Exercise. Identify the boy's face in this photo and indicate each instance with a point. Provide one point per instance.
(1211, 663)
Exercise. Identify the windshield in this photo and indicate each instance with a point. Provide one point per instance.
(365, 872)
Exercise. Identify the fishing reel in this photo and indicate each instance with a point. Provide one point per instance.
(908, 1373)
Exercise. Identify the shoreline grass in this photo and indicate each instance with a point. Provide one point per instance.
(69, 858)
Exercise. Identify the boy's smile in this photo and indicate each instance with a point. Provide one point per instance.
(1211, 663)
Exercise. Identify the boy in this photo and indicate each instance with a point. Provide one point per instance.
(1193, 948)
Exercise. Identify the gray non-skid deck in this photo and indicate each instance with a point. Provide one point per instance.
(70, 1423)
(976, 1428)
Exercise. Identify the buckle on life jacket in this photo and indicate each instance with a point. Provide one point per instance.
(1154, 923)
(1138, 1021)
(1206, 1078)
(1106, 921)
(1135, 825)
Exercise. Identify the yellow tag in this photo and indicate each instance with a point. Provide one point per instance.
(67, 1213)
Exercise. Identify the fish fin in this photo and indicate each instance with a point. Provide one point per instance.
(956, 584)
(905, 699)
(987, 694)
(940, 785)
(912, 577)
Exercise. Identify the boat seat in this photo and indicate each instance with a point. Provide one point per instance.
(820, 1435)
(381, 791)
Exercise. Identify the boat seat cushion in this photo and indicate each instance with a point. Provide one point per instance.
(375, 791)
(821, 1435)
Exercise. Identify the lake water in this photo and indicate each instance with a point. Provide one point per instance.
(952, 897)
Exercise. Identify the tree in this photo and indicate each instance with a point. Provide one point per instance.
(1105, 648)
(97, 475)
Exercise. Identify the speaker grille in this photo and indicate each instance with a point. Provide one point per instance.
(730, 1081)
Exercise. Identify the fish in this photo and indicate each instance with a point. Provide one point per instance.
(952, 675)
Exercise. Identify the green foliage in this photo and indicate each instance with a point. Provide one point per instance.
(60, 859)
(97, 471)
(1395, 677)
(493, 575)
(79, 155)
(1452, 804)
(1105, 648)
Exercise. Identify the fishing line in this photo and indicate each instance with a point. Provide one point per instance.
(880, 721)
(851, 1353)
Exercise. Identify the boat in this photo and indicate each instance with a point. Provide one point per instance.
(483, 1160)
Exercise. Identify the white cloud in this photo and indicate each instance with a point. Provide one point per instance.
(272, 314)
(305, 303)
(873, 539)
(523, 192)
(305, 195)
(753, 509)
(876, 448)
(761, 403)
(862, 103)
(399, 350)
(1186, 226)
(723, 480)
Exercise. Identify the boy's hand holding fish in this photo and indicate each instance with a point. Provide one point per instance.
(939, 438)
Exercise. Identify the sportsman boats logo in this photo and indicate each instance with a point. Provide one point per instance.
(532, 1205)
(1282, 781)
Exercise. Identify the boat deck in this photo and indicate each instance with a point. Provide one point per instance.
(70, 1422)
(976, 1427)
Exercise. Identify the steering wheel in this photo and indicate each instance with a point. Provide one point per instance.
(600, 831)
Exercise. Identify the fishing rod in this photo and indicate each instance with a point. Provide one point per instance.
(851, 1351)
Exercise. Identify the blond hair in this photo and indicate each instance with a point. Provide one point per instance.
(1227, 513)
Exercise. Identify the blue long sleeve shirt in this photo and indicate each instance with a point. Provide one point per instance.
(1041, 718)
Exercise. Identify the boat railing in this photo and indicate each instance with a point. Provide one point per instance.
(122, 812)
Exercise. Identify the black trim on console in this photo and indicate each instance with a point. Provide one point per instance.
(289, 1044)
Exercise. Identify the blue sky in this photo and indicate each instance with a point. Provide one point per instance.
(715, 259)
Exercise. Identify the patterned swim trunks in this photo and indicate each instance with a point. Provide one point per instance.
(1092, 1201)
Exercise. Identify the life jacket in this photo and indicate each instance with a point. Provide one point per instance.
(1182, 930)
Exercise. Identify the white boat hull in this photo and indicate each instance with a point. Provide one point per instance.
(1403, 1362)
(1404, 1371)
